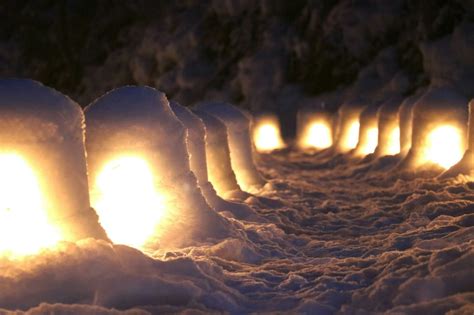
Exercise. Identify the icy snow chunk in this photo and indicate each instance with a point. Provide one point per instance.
(42, 132)
(240, 145)
(140, 176)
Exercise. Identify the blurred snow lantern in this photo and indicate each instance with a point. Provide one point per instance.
(388, 128)
(466, 164)
(405, 117)
(43, 179)
(266, 133)
(219, 168)
(314, 129)
(348, 126)
(140, 179)
(439, 128)
(368, 133)
(196, 145)
(240, 144)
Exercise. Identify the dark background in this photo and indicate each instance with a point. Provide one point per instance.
(260, 55)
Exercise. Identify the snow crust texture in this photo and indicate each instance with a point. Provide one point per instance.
(346, 237)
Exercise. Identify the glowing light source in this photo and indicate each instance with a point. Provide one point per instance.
(352, 135)
(371, 140)
(444, 146)
(24, 224)
(266, 135)
(393, 145)
(318, 135)
(129, 206)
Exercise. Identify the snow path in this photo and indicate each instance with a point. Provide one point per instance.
(339, 236)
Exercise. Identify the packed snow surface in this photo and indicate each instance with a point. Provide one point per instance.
(337, 236)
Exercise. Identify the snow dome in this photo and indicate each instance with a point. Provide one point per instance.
(314, 129)
(348, 126)
(388, 128)
(196, 145)
(241, 150)
(439, 128)
(405, 117)
(266, 133)
(219, 168)
(43, 178)
(140, 178)
(466, 164)
(368, 133)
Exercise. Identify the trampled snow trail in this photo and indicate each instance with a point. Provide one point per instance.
(336, 236)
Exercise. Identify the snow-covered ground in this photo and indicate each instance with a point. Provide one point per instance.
(334, 236)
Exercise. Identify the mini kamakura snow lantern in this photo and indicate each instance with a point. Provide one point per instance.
(219, 168)
(237, 123)
(466, 164)
(348, 126)
(43, 179)
(405, 117)
(140, 178)
(196, 145)
(266, 133)
(368, 132)
(314, 129)
(439, 128)
(388, 128)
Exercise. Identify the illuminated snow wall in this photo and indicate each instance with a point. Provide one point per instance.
(439, 128)
(348, 126)
(149, 198)
(196, 145)
(43, 178)
(314, 129)
(240, 144)
(388, 128)
(219, 168)
(368, 133)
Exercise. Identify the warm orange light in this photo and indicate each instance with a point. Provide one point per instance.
(24, 225)
(127, 202)
(352, 136)
(393, 142)
(371, 141)
(317, 135)
(443, 146)
(267, 137)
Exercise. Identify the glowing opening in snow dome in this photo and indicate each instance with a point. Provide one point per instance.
(266, 135)
(370, 141)
(24, 224)
(317, 134)
(444, 146)
(351, 136)
(126, 200)
(393, 144)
